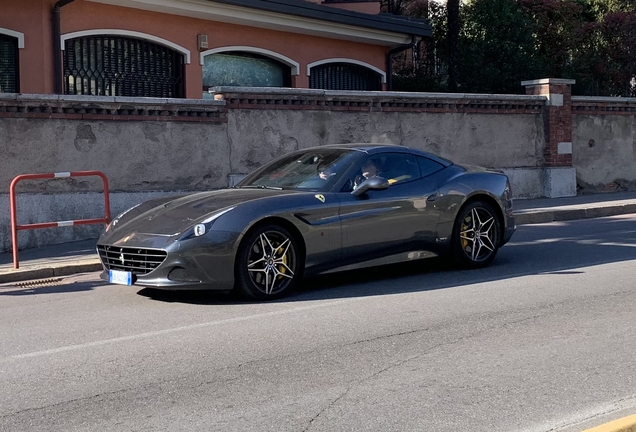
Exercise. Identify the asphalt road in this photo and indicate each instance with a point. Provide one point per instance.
(542, 340)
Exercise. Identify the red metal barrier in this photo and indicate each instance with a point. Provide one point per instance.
(14, 220)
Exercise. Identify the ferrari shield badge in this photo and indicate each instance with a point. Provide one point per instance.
(320, 197)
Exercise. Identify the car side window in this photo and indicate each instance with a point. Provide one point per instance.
(428, 166)
(395, 167)
(399, 168)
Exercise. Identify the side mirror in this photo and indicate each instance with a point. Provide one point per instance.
(374, 183)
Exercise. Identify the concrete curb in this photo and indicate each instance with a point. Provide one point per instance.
(526, 217)
(48, 271)
(625, 424)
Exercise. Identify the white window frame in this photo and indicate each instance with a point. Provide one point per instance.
(294, 65)
(133, 34)
(347, 60)
(15, 34)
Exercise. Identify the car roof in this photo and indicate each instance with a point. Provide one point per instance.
(371, 148)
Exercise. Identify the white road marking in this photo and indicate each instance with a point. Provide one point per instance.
(171, 330)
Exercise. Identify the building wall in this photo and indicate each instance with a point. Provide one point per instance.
(33, 18)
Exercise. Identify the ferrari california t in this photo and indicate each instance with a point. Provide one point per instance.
(314, 211)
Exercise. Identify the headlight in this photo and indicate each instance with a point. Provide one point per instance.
(199, 230)
(204, 226)
(115, 221)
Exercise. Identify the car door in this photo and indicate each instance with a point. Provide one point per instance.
(381, 223)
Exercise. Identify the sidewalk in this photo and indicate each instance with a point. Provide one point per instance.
(79, 257)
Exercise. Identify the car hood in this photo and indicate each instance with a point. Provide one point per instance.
(173, 217)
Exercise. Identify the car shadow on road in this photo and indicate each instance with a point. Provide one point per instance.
(198, 297)
(558, 248)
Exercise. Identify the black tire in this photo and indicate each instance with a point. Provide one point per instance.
(268, 264)
(476, 235)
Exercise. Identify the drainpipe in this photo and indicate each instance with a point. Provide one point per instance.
(57, 45)
(389, 60)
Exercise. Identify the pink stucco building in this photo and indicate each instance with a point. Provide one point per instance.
(180, 48)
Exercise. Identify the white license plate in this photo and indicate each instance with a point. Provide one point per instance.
(120, 277)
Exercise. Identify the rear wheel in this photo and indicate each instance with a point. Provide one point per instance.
(268, 264)
(476, 235)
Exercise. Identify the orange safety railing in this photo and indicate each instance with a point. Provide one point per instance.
(14, 220)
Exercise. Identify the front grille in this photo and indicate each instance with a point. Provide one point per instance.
(136, 260)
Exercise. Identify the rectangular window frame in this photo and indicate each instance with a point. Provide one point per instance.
(16, 63)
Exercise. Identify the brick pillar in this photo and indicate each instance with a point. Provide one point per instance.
(559, 175)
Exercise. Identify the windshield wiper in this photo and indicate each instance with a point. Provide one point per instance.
(261, 187)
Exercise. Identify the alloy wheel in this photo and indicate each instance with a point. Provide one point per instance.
(270, 262)
(478, 234)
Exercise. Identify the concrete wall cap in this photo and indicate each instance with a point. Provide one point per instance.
(557, 81)
(9, 96)
(91, 100)
(195, 102)
(86, 99)
(35, 97)
(266, 90)
(353, 93)
(603, 99)
(372, 94)
(141, 100)
(474, 96)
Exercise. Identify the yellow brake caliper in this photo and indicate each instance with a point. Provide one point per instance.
(464, 228)
(281, 268)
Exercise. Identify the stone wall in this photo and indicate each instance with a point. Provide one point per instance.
(152, 146)
(604, 143)
(140, 144)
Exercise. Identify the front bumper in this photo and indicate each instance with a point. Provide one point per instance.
(198, 263)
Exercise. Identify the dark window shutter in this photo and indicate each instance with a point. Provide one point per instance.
(344, 76)
(9, 65)
(120, 66)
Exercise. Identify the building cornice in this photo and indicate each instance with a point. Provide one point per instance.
(295, 16)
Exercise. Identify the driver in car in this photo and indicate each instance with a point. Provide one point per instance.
(369, 169)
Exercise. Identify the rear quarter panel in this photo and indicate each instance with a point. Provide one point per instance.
(467, 186)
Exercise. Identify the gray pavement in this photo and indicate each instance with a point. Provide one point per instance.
(80, 257)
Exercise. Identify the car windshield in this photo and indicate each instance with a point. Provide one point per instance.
(315, 170)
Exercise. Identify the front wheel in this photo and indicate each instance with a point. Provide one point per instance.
(476, 235)
(267, 265)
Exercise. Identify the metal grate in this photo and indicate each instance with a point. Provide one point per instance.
(9, 65)
(344, 76)
(120, 66)
(136, 260)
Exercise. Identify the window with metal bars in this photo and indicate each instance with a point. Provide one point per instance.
(9, 65)
(344, 76)
(242, 69)
(108, 65)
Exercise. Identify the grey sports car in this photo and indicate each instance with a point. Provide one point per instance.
(314, 211)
